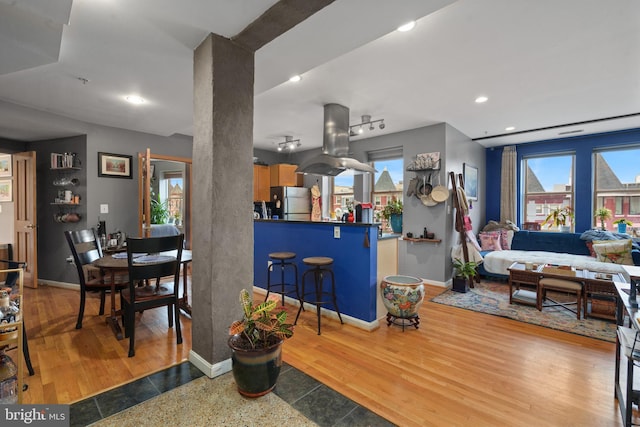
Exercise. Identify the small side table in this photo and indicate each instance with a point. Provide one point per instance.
(519, 275)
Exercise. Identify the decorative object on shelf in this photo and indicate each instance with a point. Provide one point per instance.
(402, 296)
(392, 212)
(603, 214)
(622, 224)
(470, 174)
(463, 274)
(6, 190)
(5, 165)
(558, 218)
(114, 165)
(289, 143)
(358, 129)
(425, 161)
(256, 344)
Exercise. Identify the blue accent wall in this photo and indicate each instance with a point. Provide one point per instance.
(355, 264)
(582, 146)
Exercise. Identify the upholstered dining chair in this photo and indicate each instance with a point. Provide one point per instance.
(85, 248)
(11, 281)
(154, 278)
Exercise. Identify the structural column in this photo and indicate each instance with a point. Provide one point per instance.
(222, 196)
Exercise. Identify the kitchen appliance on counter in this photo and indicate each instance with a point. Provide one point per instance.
(291, 203)
(364, 213)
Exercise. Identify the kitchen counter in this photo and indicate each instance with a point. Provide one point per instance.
(347, 224)
(353, 247)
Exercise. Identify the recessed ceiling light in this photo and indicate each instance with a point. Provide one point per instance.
(510, 128)
(295, 78)
(407, 27)
(481, 99)
(134, 99)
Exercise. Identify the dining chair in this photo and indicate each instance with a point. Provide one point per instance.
(85, 248)
(11, 281)
(154, 278)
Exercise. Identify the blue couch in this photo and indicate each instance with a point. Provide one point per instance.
(565, 243)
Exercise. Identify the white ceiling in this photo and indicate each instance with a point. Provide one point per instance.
(542, 64)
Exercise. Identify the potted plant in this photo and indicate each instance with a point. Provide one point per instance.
(603, 214)
(392, 212)
(159, 211)
(256, 344)
(463, 274)
(558, 218)
(622, 224)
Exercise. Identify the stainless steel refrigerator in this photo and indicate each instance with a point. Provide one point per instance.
(291, 203)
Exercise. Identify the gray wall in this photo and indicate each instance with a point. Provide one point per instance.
(120, 194)
(426, 260)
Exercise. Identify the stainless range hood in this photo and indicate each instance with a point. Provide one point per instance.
(335, 146)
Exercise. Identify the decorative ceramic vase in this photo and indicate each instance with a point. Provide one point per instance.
(402, 296)
(8, 380)
(622, 227)
(396, 223)
(255, 370)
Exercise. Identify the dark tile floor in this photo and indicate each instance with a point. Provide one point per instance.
(313, 399)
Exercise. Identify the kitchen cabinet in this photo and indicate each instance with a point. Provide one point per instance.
(284, 175)
(261, 183)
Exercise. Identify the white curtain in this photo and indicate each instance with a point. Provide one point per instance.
(508, 185)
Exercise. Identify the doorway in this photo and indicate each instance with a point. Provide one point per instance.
(165, 194)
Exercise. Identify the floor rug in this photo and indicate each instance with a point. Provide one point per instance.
(493, 298)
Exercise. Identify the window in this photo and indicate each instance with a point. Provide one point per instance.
(548, 184)
(171, 190)
(617, 184)
(387, 185)
(342, 191)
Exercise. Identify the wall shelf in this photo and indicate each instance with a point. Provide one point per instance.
(419, 240)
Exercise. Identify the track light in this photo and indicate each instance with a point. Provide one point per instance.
(358, 129)
(289, 143)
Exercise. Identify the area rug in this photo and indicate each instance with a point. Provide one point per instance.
(208, 402)
(493, 298)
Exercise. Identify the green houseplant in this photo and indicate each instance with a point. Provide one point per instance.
(392, 212)
(159, 211)
(622, 224)
(463, 274)
(256, 344)
(603, 214)
(558, 218)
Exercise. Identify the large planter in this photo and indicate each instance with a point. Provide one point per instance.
(460, 284)
(255, 370)
(622, 228)
(402, 296)
(396, 223)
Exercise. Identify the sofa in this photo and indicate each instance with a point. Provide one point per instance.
(572, 249)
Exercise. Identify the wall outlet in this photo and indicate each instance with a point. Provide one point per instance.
(104, 208)
(336, 232)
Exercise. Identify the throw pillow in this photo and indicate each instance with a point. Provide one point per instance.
(490, 241)
(506, 236)
(613, 251)
(590, 247)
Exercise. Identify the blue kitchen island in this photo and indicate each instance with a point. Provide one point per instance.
(353, 247)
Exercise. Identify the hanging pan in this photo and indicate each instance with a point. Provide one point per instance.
(440, 193)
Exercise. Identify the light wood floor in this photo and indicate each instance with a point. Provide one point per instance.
(460, 368)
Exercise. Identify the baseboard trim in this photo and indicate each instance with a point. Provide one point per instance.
(210, 370)
(64, 285)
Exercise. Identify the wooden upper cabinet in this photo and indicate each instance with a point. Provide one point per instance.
(261, 183)
(284, 175)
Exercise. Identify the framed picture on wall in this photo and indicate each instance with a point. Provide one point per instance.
(114, 165)
(6, 195)
(5, 165)
(470, 174)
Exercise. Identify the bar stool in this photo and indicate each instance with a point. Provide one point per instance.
(282, 260)
(320, 265)
(569, 286)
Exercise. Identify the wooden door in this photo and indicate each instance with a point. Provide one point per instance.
(144, 192)
(25, 219)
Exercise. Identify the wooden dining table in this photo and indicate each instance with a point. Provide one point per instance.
(119, 265)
